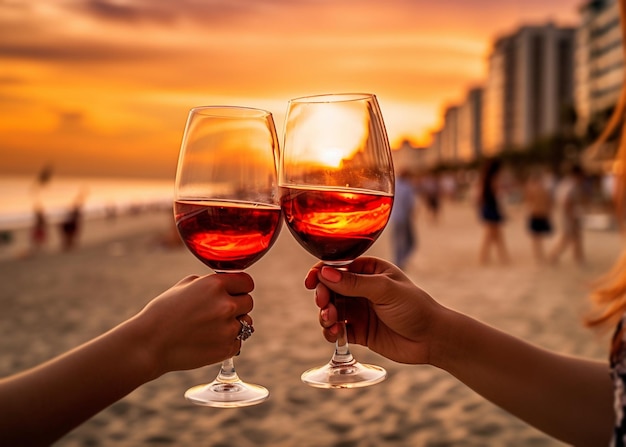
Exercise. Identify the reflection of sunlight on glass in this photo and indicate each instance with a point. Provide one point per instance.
(331, 157)
(212, 143)
(333, 136)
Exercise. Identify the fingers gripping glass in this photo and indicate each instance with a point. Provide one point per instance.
(337, 184)
(227, 212)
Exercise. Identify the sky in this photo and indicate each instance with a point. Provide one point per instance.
(103, 87)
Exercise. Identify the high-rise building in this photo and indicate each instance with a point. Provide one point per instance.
(529, 85)
(498, 87)
(599, 66)
(449, 135)
(469, 119)
(433, 151)
(409, 157)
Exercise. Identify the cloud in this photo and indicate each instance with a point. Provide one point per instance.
(10, 80)
(129, 13)
(76, 52)
(71, 120)
(122, 12)
(166, 12)
(93, 30)
(113, 30)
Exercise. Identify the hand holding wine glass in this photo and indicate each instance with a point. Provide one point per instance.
(227, 212)
(337, 184)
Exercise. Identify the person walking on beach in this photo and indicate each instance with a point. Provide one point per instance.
(39, 231)
(70, 226)
(197, 322)
(430, 189)
(490, 212)
(569, 202)
(401, 221)
(538, 201)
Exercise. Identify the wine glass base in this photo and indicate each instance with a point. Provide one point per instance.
(351, 375)
(227, 394)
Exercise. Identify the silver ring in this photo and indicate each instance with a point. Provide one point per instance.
(246, 330)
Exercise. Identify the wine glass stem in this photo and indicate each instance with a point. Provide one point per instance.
(227, 372)
(342, 355)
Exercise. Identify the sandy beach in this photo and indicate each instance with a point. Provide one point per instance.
(54, 301)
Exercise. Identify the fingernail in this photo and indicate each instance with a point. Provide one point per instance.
(334, 330)
(331, 274)
(324, 314)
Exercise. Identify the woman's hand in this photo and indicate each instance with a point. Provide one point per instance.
(385, 311)
(196, 322)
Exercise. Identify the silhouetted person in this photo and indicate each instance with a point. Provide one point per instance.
(431, 190)
(538, 201)
(39, 232)
(401, 221)
(490, 212)
(569, 201)
(71, 224)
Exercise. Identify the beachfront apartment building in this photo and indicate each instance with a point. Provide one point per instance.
(529, 87)
(469, 126)
(599, 63)
(433, 150)
(409, 157)
(449, 138)
(535, 77)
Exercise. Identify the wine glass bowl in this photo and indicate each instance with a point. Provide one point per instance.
(228, 237)
(336, 181)
(335, 225)
(227, 211)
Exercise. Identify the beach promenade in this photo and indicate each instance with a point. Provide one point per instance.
(55, 301)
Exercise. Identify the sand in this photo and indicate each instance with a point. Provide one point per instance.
(54, 301)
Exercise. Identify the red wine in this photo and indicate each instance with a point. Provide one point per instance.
(335, 225)
(227, 236)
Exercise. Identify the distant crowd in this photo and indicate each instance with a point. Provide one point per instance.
(555, 204)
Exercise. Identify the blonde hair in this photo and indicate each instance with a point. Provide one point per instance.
(609, 296)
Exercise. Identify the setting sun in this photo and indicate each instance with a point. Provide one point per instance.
(327, 138)
(331, 158)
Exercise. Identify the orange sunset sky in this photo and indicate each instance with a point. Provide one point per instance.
(102, 87)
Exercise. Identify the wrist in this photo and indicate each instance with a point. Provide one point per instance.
(446, 338)
(138, 339)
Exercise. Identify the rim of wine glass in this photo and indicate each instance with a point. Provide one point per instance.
(334, 97)
(231, 111)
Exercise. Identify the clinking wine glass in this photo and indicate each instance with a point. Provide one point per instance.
(227, 211)
(337, 186)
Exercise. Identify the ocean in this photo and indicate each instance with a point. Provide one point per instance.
(19, 195)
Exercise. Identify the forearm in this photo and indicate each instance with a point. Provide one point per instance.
(568, 398)
(44, 403)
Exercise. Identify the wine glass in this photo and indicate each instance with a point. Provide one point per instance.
(337, 186)
(227, 211)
